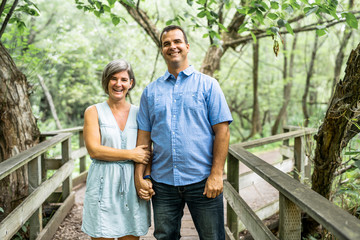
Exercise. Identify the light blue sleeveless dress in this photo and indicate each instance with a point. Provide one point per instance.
(112, 208)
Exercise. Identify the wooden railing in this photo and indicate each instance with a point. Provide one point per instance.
(294, 196)
(41, 190)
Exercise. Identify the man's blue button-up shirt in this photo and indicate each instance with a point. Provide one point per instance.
(180, 114)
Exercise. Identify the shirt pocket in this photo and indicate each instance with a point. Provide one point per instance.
(158, 104)
(193, 101)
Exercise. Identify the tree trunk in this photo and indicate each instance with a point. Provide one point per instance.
(50, 101)
(287, 87)
(211, 61)
(338, 127)
(18, 129)
(256, 121)
(307, 84)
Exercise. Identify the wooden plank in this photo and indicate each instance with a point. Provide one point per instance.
(13, 163)
(299, 157)
(50, 229)
(272, 139)
(55, 163)
(252, 222)
(66, 156)
(82, 158)
(287, 151)
(52, 163)
(81, 178)
(11, 224)
(66, 130)
(229, 234)
(342, 224)
(34, 178)
(233, 179)
(79, 153)
(263, 212)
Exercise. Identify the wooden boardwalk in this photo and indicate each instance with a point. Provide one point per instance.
(255, 195)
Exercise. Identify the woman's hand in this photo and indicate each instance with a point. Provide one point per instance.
(141, 154)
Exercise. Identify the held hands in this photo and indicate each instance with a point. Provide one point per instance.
(141, 154)
(213, 186)
(144, 189)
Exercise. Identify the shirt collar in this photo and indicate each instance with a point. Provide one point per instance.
(188, 71)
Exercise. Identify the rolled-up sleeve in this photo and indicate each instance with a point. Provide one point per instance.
(143, 118)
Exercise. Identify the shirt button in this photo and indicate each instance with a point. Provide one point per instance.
(174, 100)
(174, 133)
(175, 166)
(174, 116)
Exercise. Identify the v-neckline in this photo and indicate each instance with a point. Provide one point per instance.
(114, 119)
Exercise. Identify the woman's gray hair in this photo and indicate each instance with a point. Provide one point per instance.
(114, 67)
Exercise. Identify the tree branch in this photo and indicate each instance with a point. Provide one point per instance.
(7, 18)
(2, 6)
(144, 21)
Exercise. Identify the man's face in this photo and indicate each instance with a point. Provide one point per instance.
(174, 48)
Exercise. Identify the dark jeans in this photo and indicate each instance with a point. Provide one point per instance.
(168, 204)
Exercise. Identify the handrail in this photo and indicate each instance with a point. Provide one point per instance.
(342, 224)
(65, 130)
(275, 138)
(19, 160)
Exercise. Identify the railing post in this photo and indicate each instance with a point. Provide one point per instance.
(299, 157)
(34, 177)
(65, 157)
(82, 159)
(307, 161)
(233, 178)
(289, 220)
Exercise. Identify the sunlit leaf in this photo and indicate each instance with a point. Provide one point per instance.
(272, 16)
(274, 5)
(253, 37)
(289, 28)
(351, 20)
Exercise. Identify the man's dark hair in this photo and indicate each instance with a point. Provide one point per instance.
(170, 28)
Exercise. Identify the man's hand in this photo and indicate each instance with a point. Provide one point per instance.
(144, 189)
(214, 186)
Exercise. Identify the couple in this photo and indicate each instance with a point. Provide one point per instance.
(184, 117)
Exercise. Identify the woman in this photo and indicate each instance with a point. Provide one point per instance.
(111, 206)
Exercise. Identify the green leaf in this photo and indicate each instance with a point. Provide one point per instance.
(310, 10)
(111, 2)
(97, 13)
(351, 20)
(107, 8)
(169, 22)
(1, 209)
(289, 28)
(205, 35)
(272, 16)
(274, 5)
(24, 228)
(202, 14)
(21, 26)
(264, 5)
(305, 2)
(281, 22)
(242, 10)
(115, 20)
(201, 2)
(352, 153)
(242, 29)
(320, 32)
(253, 37)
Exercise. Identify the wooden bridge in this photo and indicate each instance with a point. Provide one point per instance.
(294, 197)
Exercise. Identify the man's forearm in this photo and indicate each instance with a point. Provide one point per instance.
(220, 149)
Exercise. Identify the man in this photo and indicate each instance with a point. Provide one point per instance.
(185, 116)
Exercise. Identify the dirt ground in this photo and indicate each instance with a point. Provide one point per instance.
(70, 228)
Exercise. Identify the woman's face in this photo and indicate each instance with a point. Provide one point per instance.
(119, 85)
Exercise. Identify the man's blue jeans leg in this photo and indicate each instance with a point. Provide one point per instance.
(168, 204)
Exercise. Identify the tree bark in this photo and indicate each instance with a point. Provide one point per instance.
(337, 129)
(50, 101)
(18, 129)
